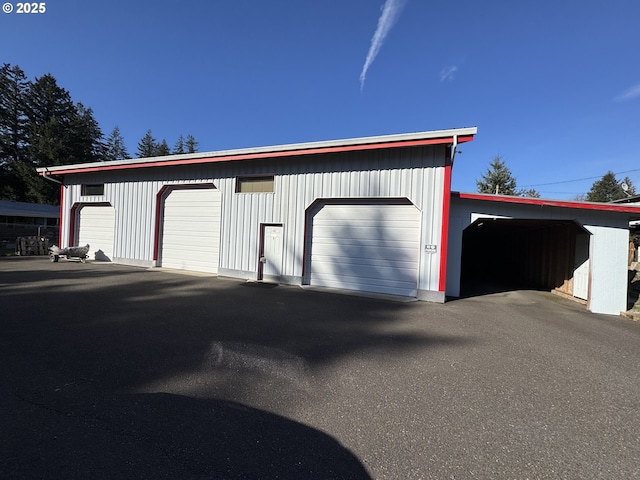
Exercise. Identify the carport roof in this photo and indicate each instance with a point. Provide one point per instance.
(541, 202)
(435, 137)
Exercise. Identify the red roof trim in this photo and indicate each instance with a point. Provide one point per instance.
(255, 156)
(605, 207)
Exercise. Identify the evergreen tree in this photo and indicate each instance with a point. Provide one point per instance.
(115, 148)
(608, 189)
(498, 179)
(531, 193)
(147, 146)
(87, 144)
(13, 129)
(162, 149)
(191, 145)
(59, 133)
(179, 146)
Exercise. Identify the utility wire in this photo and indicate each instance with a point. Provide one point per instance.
(576, 180)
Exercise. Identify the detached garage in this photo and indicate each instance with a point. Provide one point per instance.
(372, 214)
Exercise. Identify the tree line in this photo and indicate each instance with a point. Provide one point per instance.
(498, 179)
(41, 126)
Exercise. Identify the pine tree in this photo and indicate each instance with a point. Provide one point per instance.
(179, 146)
(59, 133)
(13, 130)
(191, 145)
(498, 179)
(115, 148)
(162, 149)
(147, 146)
(608, 189)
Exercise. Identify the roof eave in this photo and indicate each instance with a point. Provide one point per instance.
(461, 135)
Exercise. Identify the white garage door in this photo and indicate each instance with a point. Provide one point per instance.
(191, 230)
(369, 247)
(96, 227)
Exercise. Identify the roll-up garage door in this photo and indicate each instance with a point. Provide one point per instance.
(191, 230)
(365, 247)
(96, 228)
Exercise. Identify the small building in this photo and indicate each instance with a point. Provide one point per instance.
(22, 218)
(371, 214)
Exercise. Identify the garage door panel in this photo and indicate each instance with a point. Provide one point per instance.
(96, 224)
(370, 285)
(191, 230)
(351, 247)
(368, 247)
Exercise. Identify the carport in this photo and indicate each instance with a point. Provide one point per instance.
(525, 253)
(579, 249)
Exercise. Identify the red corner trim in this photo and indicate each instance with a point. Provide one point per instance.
(61, 216)
(444, 235)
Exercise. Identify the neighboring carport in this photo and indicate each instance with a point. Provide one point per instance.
(577, 248)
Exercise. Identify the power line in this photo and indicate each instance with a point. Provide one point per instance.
(577, 180)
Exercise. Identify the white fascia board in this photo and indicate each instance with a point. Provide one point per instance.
(403, 137)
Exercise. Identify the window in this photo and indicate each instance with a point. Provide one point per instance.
(93, 189)
(262, 184)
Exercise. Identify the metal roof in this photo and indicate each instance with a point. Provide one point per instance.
(459, 135)
(541, 202)
(10, 208)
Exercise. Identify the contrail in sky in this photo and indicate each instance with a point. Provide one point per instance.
(390, 14)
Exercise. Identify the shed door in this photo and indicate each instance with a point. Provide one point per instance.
(365, 247)
(191, 230)
(96, 228)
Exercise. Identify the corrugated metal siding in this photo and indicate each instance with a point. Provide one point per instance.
(414, 173)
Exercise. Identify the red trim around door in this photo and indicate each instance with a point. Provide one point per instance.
(73, 216)
(160, 198)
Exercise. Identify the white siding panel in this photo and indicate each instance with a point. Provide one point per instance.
(372, 248)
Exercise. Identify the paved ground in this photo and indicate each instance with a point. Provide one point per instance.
(117, 372)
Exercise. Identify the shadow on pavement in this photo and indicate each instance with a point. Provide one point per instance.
(167, 436)
(121, 372)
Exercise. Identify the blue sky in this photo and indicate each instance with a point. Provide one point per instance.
(553, 86)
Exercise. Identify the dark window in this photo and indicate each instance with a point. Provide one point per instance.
(93, 189)
(262, 184)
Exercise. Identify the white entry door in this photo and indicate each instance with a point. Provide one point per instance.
(272, 250)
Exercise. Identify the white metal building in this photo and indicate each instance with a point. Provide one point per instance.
(366, 214)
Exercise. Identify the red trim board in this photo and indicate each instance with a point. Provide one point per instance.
(605, 207)
(256, 156)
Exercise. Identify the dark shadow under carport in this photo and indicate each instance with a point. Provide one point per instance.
(504, 254)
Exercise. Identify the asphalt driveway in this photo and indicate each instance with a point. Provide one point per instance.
(120, 372)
